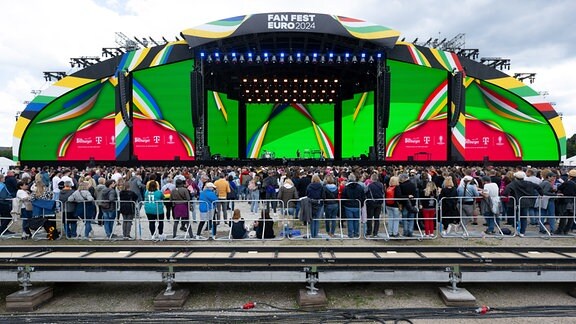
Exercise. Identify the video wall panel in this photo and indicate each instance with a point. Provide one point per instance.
(358, 125)
(222, 119)
(418, 111)
(290, 130)
(162, 113)
(79, 125)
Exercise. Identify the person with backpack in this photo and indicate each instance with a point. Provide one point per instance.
(70, 220)
(180, 196)
(392, 206)
(128, 201)
(108, 206)
(154, 209)
(85, 209)
(316, 195)
(375, 193)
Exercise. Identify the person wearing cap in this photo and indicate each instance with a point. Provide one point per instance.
(566, 205)
(207, 198)
(547, 209)
(521, 188)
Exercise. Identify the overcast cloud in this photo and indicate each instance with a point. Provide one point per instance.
(37, 35)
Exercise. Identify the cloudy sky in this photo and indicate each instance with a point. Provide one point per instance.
(38, 35)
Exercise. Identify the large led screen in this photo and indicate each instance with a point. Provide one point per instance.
(222, 124)
(290, 130)
(162, 113)
(418, 106)
(76, 126)
(358, 125)
(503, 127)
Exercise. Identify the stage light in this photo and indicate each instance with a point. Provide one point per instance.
(325, 80)
(249, 57)
(274, 59)
(202, 55)
(285, 80)
(234, 58)
(315, 58)
(312, 99)
(295, 80)
(267, 99)
(379, 55)
(275, 80)
(266, 60)
(290, 59)
(255, 80)
(338, 59)
(277, 99)
(298, 58)
(335, 80)
(265, 80)
(244, 80)
(249, 99)
(209, 59)
(258, 59)
(354, 59)
(225, 59)
(363, 58)
(307, 59)
(315, 80)
(346, 57)
(217, 58)
(241, 59)
(322, 59)
(371, 59)
(305, 80)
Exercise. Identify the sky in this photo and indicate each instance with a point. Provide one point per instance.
(38, 35)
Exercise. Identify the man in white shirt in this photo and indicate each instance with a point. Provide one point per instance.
(55, 180)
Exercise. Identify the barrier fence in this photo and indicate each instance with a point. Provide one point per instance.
(297, 219)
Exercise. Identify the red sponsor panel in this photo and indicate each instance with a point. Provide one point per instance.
(153, 141)
(483, 140)
(95, 141)
(427, 142)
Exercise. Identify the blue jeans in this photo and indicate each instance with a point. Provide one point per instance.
(331, 214)
(108, 217)
(317, 211)
(523, 215)
(394, 217)
(407, 222)
(491, 219)
(353, 221)
(549, 215)
(254, 197)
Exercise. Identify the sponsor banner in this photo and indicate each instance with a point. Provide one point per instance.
(426, 142)
(482, 140)
(152, 141)
(96, 141)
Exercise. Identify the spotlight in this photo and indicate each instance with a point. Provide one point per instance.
(290, 59)
(331, 58)
(322, 59)
(217, 58)
(338, 59)
(354, 59)
(266, 59)
(314, 58)
(363, 58)
(298, 58)
(225, 59)
(241, 59)
(234, 58)
(346, 57)
(258, 59)
(209, 59)
(307, 59)
(249, 57)
(274, 59)
(371, 59)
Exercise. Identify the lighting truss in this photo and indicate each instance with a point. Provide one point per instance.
(50, 76)
(524, 76)
(84, 61)
(290, 58)
(496, 62)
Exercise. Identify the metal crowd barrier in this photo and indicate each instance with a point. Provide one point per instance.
(542, 219)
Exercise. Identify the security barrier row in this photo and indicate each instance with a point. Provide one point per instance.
(343, 219)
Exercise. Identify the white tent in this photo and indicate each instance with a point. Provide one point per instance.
(5, 164)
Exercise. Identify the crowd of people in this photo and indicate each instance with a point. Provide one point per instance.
(356, 195)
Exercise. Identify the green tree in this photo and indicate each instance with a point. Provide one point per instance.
(571, 146)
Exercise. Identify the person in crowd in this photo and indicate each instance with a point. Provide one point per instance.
(254, 194)
(354, 197)
(107, 203)
(206, 207)
(69, 212)
(448, 197)
(245, 178)
(271, 187)
(24, 205)
(467, 191)
(428, 206)
(521, 188)
(167, 191)
(315, 192)
(154, 209)
(100, 199)
(238, 229)
(331, 204)
(408, 195)
(180, 197)
(222, 189)
(136, 185)
(264, 226)
(490, 204)
(374, 196)
(547, 210)
(393, 206)
(5, 208)
(128, 207)
(288, 195)
(566, 206)
(85, 209)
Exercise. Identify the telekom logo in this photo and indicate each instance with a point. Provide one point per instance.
(426, 139)
(156, 139)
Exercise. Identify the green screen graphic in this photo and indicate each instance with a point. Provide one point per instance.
(289, 130)
(357, 125)
(223, 125)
